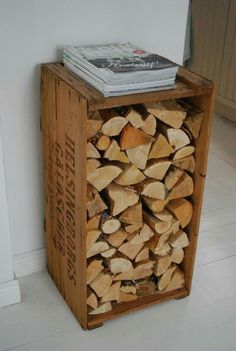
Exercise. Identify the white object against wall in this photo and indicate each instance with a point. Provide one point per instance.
(31, 32)
(9, 288)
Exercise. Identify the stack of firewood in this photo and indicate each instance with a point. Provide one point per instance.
(140, 161)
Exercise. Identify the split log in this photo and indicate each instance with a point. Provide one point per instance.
(93, 270)
(95, 204)
(177, 280)
(154, 205)
(145, 287)
(120, 265)
(132, 115)
(187, 163)
(184, 152)
(162, 264)
(177, 255)
(101, 177)
(143, 270)
(92, 152)
(168, 111)
(131, 228)
(159, 243)
(114, 126)
(166, 277)
(105, 307)
(109, 253)
(144, 235)
(124, 275)
(92, 237)
(133, 215)
(132, 137)
(126, 297)
(175, 226)
(152, 189)
(92, 300)
(159, 226)
(164, 215)
(130, 176)
(93, 223)
(121, 198)
(114, 153)
(128, 289)
(158, 246)
(92, 164)
(113, 293)
(157, 169)
(143, 255)
(180, 239)
(150, 125)
(117, 238)
(101, 284)
(130, 250)
(103, 143)
(172, 177)
(110, 225)
(182, 209)
(183, 188)
(97, 248)
(161, 148)
(139, 155)
(177, 138)
(193, 120)
(163, 249)
(94, 125)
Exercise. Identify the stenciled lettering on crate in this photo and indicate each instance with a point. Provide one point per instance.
(64, 239)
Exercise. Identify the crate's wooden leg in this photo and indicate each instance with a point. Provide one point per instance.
(94, 326)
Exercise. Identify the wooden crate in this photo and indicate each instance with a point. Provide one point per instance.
(67, 102)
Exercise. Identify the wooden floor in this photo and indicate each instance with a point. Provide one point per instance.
(205, 321)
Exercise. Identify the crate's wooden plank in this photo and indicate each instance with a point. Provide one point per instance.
(192, 79)
(182, 90)
(48, 120)
(206, 104)
(82, 87)
(127, 307)
(44, 123)
(188, 84)
(75, 204)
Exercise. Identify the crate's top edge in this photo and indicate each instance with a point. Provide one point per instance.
(187, 84)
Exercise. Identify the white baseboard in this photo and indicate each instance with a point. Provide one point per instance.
(29, 262)
(9, 293)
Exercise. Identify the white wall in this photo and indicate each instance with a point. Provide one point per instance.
(9, 288)
(6, 266)
(30, 33)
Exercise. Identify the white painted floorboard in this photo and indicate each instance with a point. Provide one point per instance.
(205, 321)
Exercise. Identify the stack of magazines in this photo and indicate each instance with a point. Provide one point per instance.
(119, 69)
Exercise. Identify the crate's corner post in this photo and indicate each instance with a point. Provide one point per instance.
(48, 124)
(206, 103)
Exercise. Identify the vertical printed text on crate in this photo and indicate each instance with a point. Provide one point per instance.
(123, 182)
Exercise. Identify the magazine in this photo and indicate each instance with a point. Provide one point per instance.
(120, 68)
